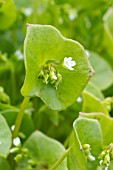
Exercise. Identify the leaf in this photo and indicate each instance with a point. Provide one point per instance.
(108, 32)
(7, 14)
(92, 88)
(89, 132)
(21, 3)
(103, 77)
(95, 105)
(4, 164)
(76, 158)
(5, 138)
(26, 127)
(44, 43)
(45, 150)
(106, 124)
(83, 5)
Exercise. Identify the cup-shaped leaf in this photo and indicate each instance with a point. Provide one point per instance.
(45, 151)
(57, 69)
(104, 74)
(76, 158)
(108, 32)
(106, 124)
(87, 131)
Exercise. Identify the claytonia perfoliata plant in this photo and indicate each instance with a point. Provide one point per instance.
(69, 63)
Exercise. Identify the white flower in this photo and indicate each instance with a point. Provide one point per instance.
(79, 100)
(28, 11)
(19, 54)
(69, 63)
(12, 127)
(16, 141)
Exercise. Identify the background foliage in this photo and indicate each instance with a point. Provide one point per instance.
(91, 24)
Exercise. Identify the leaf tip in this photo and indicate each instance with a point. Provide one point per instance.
(91, 72)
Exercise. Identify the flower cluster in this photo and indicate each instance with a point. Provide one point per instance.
(106, 156)
(87, 149)
(49, 74)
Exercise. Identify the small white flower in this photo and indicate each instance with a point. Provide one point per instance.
(69, 63)
(12, 127)
(0, 142)
(16, 141)
(79, 100)
(19, 54)
(28, 11)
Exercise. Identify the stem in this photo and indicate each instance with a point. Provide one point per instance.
(57, 163)
(66, 142)
(13, 84)
(20, 116)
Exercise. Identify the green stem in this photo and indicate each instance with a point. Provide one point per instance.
(57, 163)
(20, 116)
(13, 85)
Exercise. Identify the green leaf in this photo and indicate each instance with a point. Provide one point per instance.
(89, 132)
(92, 88)
(83, 4)
(108, 32)
(76, 158)
(106, 124)
(45, 150)
(26, 127)
(4, 164)
(44, 44)
(21, 3)
(103, 77)
(7, 14)
(92, 104)
(5, 138)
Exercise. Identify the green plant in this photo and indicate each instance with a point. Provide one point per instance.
(65, 120)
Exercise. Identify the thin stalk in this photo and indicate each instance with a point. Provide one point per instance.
(66, 142)
(13, 84)
(57, 163)
(20, 116)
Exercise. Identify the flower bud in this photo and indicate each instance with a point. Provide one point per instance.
(14, 150)
(86, 146)
(18, 157)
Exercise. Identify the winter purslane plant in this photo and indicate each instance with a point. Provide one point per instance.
(57, 71)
